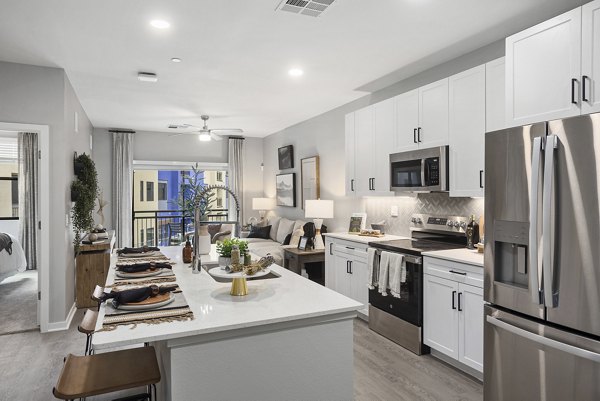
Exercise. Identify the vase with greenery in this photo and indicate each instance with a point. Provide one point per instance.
(224, 249)
(191, 194)
(84, 190)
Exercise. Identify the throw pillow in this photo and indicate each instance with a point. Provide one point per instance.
(274, 223)
(260, 232)
(285, 227)
(298, 224)
(287, 239)
(296, 235)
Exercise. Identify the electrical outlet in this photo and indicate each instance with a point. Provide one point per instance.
(67, 220)
(394, 211)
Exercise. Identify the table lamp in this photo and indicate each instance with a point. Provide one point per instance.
(319, 210)
(262, 205)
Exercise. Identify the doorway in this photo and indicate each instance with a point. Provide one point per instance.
(26, 290)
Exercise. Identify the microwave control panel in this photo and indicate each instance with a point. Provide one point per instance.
(433, 170)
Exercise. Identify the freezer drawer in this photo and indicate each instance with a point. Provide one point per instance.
(527, 360)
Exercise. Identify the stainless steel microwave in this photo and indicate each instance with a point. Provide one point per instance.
(422, 170)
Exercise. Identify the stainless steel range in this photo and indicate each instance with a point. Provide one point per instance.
(401, 319)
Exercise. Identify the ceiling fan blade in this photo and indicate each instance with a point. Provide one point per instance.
(227, 130)
(215, 136)
(183, 133)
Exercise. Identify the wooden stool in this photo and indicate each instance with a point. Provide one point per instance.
(85, 376)
(88, 327)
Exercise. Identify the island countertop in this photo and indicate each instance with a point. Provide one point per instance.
(287, 298)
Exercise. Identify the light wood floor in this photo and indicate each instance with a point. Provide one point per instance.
(30, 364)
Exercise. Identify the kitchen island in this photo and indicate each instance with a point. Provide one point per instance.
(288, 339)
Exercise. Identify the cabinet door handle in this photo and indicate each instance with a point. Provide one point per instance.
(459, 294)
(453, 304)
(347, 266)
(373, 180)
(583, 96)
(573, 82)
(480, 178)
(419, 134)
(350, 267)
(415, 135)
(331, 248)
(352, 185)
(455, 272)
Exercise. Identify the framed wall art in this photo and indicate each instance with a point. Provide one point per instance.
(286, 189)
(286, 157)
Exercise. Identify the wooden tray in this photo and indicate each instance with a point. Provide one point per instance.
(372, 235)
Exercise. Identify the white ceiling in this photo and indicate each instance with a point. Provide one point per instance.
(236, 53)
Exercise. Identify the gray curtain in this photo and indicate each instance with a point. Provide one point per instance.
(236, 178)
(122, 187)
(28, 194)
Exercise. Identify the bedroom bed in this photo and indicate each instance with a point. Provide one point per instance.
(14, 263)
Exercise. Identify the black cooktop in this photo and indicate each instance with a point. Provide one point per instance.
(413, 246)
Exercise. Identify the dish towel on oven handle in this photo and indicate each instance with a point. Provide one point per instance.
(397, 273)
(373, 267)
(384, 265)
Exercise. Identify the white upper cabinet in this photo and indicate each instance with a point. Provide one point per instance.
(407, 121)
(495, 99)
(433, 114)
(364, 150)
(543, 65)
(467, 132)
(590, 58)
(349, 148)
(385, 128)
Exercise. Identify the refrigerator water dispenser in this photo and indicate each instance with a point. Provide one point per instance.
(510, 253)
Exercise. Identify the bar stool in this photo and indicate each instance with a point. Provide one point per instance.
(86, 376)
(97, 294)
(88, 327)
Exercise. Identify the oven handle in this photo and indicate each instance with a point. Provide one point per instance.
(417, 260)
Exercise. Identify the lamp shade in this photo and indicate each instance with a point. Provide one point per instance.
(263, 203)
(319, 209)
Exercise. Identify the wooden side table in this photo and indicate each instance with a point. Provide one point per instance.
(295, 260)
(91, 266)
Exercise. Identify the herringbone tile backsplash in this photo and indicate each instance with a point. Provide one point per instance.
(437, 204)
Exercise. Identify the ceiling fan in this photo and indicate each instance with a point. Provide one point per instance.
(205, 134)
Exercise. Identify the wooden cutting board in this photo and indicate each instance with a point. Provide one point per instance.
(153, 300)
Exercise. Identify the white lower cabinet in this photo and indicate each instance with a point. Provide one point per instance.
(453, 310)
(346, 269)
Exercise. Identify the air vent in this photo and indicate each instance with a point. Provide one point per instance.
(312, 8)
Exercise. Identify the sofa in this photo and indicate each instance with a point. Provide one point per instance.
(280, 229)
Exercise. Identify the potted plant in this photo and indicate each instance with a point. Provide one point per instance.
(84, 190)
(224, 250)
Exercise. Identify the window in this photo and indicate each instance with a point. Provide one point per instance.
(141, 191)
(219, 202)
(150, 236)
(9, 191)
(150, 191)
(162, 191)
(220, 176)
(141, 236)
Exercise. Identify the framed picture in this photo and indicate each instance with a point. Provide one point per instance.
(310, 185)
(286, 189)
(302, 243)
(286, 157)
(358, 221)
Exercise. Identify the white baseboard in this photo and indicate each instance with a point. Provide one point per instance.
(65, 324)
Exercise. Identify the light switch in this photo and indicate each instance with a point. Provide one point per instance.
(67, 220)
(394, 211)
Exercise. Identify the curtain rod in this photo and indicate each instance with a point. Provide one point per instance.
(117, 130)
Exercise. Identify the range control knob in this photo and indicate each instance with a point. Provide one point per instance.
(413, 220)
(449, 223)
(418, 220)
(463, 225)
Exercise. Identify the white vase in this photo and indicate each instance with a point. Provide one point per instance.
(224, 262)
(203, 245)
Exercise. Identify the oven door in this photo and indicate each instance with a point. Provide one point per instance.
(409, 307)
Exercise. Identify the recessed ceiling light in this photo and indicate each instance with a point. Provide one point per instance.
(160, 24)
(176, 60)
(295, 72)
(204, 137)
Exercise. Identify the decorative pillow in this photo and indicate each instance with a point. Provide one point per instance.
(274, 223)
(260, 232)
(309, 229)
(285, 227)
(298, 224)
(296, 235)
(287, 239)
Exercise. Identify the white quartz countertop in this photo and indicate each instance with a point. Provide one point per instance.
(363, 239)
(462, 255)
(287, 298)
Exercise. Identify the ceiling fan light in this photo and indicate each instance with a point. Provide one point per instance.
(204, 137)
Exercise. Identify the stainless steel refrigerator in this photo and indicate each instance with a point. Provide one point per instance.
(542, 261)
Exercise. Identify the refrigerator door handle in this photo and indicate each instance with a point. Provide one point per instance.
(534, 281)
(548, 235)
(545, 341)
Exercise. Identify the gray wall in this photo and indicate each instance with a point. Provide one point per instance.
(158, 146)
(42, 95)
(323, 135)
